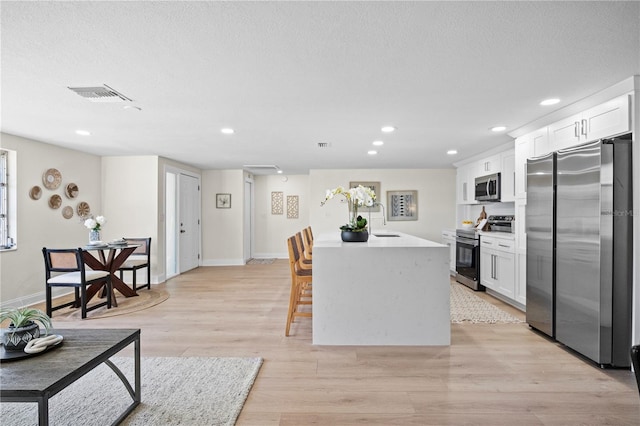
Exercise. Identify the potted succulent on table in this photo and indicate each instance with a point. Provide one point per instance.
(25, 326)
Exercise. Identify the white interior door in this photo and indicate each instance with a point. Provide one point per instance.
(189, 224)
(171, 223)
(248, 220)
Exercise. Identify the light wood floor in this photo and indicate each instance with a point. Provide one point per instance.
(501, 374)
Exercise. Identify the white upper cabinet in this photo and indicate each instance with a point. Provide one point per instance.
(508, 176)
(605, 120)
(503, 163)
(465, 184)
(527, 146)
(489, 165)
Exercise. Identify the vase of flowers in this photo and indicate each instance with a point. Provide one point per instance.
(94, 226)
(355, 230)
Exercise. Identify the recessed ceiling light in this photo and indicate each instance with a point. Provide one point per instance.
(551, 101)
(498, 128)
(388, 129)
(227, 131)
(452, 152)
(372, 152)
(83, 132)
(132, 108)
(378, 143)
(279, 172)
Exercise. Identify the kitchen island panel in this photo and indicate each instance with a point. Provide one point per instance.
(388, 291)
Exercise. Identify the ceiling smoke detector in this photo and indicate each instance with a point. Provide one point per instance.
(102, 93)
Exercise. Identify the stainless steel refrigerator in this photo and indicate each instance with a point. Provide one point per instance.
(579, 249)
(540, 228)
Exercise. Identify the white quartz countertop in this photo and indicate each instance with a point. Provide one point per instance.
(503, 235)
(377, 239)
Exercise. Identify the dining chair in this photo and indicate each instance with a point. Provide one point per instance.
(66, 268)
(301, 285)
(139, 259)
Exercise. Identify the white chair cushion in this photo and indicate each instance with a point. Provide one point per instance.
(75, 278)
(130, 263)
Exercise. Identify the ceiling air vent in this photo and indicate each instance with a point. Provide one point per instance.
(324, 145)
(102, 93)
(261, 166)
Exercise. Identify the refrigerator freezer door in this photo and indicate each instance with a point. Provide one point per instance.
(540, 243)
(578, 248)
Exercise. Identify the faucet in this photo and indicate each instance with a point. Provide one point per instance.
(384, 215)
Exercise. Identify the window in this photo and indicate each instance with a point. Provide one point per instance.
(7, 200)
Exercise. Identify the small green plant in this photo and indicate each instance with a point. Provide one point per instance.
(21, 317)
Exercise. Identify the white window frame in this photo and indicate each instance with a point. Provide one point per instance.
(8, 200)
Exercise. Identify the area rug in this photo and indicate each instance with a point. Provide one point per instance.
(175, 391)
(145, 299)
(260, 261)
(467, 307)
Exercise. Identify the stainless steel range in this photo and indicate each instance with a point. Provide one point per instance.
(468, 250)
(468, 258)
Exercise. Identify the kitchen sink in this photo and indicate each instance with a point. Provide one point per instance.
(386, 235)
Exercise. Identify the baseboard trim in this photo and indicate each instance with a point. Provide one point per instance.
(223, 262)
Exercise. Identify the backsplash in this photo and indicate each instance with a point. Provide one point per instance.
(472, 211)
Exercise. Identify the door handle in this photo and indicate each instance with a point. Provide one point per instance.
(495, 267)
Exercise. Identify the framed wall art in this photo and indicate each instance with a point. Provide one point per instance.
(292, 206)
(375, 187)
(402, 205)
(223, 201)
(277, 202)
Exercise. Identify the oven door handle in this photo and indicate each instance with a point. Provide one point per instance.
(467, 241)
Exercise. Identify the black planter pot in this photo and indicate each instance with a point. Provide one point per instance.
(355, 237)
(15, 339)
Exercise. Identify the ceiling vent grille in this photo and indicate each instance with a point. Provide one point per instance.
(324, 145)
(102, 93)
(261, 167)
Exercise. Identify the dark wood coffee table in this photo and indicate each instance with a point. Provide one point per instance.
(38, 378)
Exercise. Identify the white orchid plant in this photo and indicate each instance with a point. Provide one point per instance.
(361, 196)
(95, 224)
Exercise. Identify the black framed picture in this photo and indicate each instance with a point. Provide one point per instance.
(223, 201)
(402, 205)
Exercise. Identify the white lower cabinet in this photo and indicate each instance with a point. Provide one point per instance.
(521, 282)
(449, 239)
(497, 265)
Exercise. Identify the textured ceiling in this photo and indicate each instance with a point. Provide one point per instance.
(288, 75)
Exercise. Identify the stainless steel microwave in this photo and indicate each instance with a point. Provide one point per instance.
(488, 188)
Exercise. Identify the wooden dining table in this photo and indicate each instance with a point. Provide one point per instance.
(109, 262)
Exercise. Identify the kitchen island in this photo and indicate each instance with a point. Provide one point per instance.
(392, 290)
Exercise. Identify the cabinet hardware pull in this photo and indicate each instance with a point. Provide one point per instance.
(576, 130)
(584, 127)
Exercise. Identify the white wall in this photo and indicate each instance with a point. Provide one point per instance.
(130, 200)
(22, 270)
(222, 229)
(272, 230)
(436, 199)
